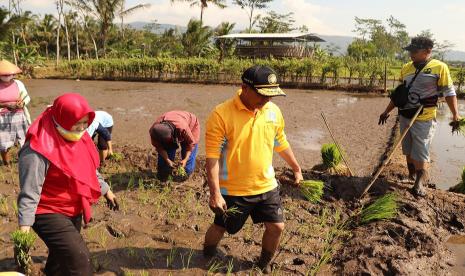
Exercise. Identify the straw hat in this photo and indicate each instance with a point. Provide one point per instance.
(8, 68)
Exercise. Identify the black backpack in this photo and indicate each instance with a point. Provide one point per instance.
(400, 96)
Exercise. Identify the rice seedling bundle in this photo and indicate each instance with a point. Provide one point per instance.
(330, 155)
(458, 127)
(459, 188)
(23, 242)
(116, 157)
(312, 190)
(181, 172)
(383, 208)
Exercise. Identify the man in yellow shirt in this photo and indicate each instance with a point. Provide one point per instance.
(428, 79)
(242, 134)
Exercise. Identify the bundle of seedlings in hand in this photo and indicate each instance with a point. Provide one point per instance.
(458, 126)
(23, 242)
(332, 158)
(116, 157)
(231, 212)
(460, 188)
(180, 172)
(312, 190)
(383, 208)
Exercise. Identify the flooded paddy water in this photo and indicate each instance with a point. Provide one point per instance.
(160, 227)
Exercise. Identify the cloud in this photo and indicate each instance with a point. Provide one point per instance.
(180, 13)
(306, 13)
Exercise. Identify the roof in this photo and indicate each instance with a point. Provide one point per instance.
(274, 37)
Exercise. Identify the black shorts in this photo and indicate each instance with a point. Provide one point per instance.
(262, 208)
(101, 143)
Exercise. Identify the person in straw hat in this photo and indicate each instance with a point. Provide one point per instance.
(14, 116)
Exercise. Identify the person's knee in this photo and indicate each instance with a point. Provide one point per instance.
(78, 258)
(275, 228)
(218, 229)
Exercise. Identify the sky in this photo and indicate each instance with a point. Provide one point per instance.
(327, 17)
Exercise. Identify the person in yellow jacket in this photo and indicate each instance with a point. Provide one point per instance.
(428, 80)
(241, 136)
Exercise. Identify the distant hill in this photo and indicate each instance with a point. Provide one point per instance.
(161, 28)
(331, 40)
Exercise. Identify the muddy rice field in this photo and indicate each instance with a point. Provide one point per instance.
(160, 227)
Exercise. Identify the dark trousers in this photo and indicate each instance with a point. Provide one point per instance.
(67, 251)
(162, 167)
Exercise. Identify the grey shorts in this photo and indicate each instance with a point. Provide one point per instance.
(417, 142)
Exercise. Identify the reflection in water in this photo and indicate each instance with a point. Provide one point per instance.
(456, 244)
(346, 101)
(307, 139)
(448, 151)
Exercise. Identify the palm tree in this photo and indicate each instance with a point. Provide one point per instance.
(252, 5)
(45, 30)
(196, 38)
(224, 45)
(123, 12)
(105, 11)
(203, 4)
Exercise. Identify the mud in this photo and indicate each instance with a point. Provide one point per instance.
(160, 227)
(135, 106)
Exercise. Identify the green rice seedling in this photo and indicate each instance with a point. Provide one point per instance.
(330, 155)
(383, 208)
(170, 257)
(312, 190)
(230, 267)
(214, 267)
(23, 242)
(458, 127)
(332, 158)
(186, 259)
(180, 172)
(117, 157)
(103, 238)
(132, 179)
(233, 211)
(460, 188)
(4, 209)
(15, 208)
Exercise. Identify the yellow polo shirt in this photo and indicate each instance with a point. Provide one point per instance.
(244, 143)
(433, 80)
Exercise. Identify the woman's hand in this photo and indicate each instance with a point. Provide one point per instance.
(183, 163)
(111, 201)
(24, 228)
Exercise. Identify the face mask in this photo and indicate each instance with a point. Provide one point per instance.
(72, 136)
(6, 78)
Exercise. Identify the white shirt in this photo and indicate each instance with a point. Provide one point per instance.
(101, 117)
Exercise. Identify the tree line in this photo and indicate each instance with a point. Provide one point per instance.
(96, 29)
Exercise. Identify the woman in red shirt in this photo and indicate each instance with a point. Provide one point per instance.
(59, 183)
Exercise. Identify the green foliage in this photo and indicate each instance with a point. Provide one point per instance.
(460, 79)
(276, 23)
(196, 38)
(330, 155)
(312, 190)
(224, 46)
(383, 208)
